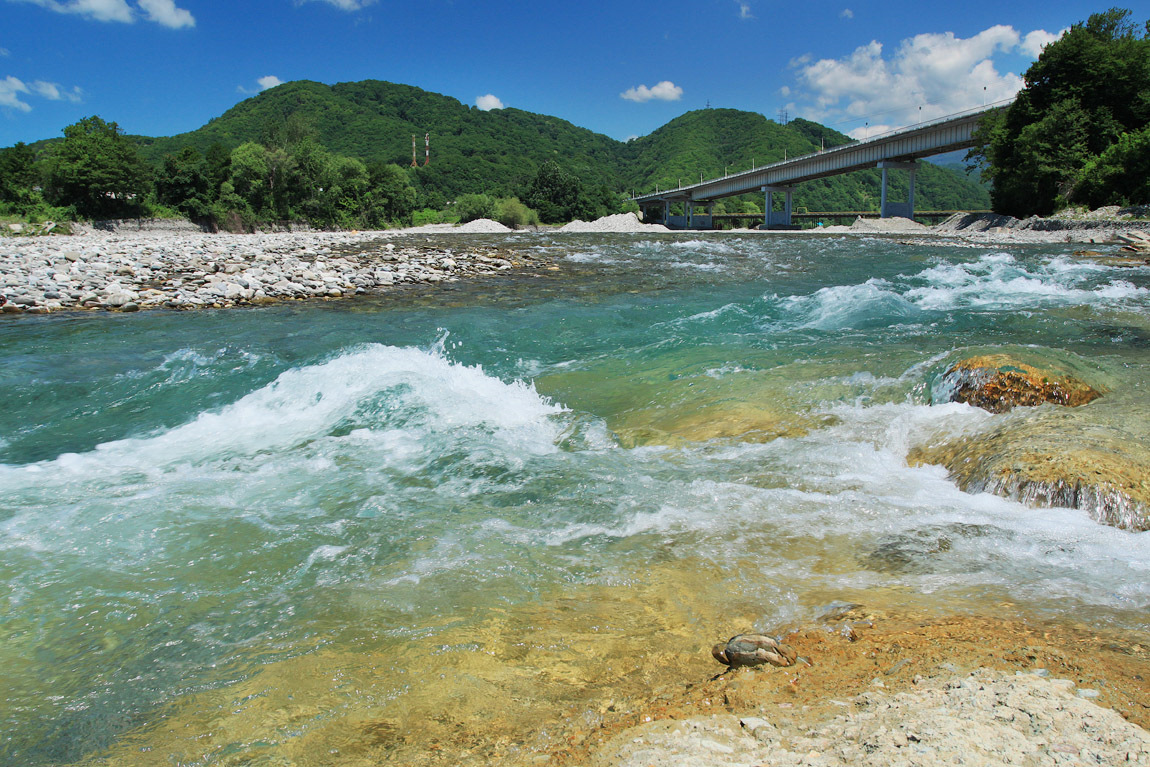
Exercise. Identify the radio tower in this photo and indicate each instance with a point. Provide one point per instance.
(414, 164)
(427, 148)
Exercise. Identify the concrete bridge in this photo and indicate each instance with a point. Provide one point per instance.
(897, 150)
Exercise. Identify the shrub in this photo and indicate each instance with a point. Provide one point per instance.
(470, 207)
(512, 213)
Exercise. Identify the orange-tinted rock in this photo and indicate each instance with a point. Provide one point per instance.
(997, 382)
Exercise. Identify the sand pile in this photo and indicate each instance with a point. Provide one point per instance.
(620, 222)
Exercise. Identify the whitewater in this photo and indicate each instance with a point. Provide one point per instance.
(360, 530)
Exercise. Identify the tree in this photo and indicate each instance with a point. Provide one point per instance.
(1084, 93)
(183, 183)
(555, 193)
(470, 207)
(17, 171)
(97, 170)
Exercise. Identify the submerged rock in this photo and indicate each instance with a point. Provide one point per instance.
(999, 382)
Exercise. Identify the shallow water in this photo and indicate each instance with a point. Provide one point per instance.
(445, 524)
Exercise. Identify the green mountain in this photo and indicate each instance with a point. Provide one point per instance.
(498, 152)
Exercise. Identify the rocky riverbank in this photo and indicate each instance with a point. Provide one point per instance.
(133, 270)
(902, 689)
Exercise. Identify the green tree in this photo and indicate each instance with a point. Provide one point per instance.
(511, 212)
(97, 170)
(1083, 94)
(556, 194)
(17, 171)
(470, 207)
(183, 183)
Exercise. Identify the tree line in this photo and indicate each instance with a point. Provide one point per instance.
(1079, 131)
(97, 172)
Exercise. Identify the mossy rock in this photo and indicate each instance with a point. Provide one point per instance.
(999, 382)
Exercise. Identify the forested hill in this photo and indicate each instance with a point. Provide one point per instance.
(499, 151)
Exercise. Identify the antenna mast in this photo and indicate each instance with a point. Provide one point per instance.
(414, 164)
(427, 148)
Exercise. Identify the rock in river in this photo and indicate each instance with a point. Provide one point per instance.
(999, 382)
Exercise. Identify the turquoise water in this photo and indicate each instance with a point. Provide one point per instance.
(284, 535)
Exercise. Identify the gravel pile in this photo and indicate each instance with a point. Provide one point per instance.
(987, 718)
(127, 272)
(620, 222)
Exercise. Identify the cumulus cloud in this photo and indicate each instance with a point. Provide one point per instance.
(846, 13)
(664, 91)
(12, 88)
(163, 12)
(265, 82)
(744, 10)
(488, 102)
(1035, 41)
(927, 76)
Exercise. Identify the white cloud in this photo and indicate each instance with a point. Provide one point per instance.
(745, 10)
(265, 82)
(664, 91)
(846, 13)
(52, 92)
(928, 76)
(1035, 41)
(162, 12)
(345, 5)
(165, 13)
(10, 87)
(488, 102)
(5, 52)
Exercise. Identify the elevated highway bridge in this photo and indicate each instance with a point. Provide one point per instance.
(897, 150)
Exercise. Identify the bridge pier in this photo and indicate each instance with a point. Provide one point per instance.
(900, 209)
(777, 218)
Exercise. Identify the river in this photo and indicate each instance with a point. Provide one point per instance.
(409, 526)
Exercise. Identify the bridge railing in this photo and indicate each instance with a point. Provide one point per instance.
(842, 147)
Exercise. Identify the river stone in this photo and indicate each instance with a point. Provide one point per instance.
(1096, 459)
(999, 382)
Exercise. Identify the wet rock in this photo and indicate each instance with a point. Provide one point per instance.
(1060, 458)
(999, 382)
(753, 650)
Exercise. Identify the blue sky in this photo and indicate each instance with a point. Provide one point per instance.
(160, 67)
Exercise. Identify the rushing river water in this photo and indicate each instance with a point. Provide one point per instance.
(437, 520)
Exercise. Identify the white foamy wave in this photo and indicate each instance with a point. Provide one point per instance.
(851, 307)
(1000, 281)
(362, 387)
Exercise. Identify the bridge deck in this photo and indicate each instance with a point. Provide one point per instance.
(936, 137)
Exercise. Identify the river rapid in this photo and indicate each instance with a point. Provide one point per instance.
(443, 525)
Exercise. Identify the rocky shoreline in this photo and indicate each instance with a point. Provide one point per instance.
(141, 270)
(142, 265)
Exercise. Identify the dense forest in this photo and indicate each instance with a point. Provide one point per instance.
(1079, 131)
(340, 156)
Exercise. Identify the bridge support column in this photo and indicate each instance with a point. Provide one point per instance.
(777, 218)
(892, 209)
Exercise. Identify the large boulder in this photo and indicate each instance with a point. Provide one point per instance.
(1057, 457)
(999, 382)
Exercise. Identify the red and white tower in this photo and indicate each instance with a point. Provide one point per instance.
(427, 148)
